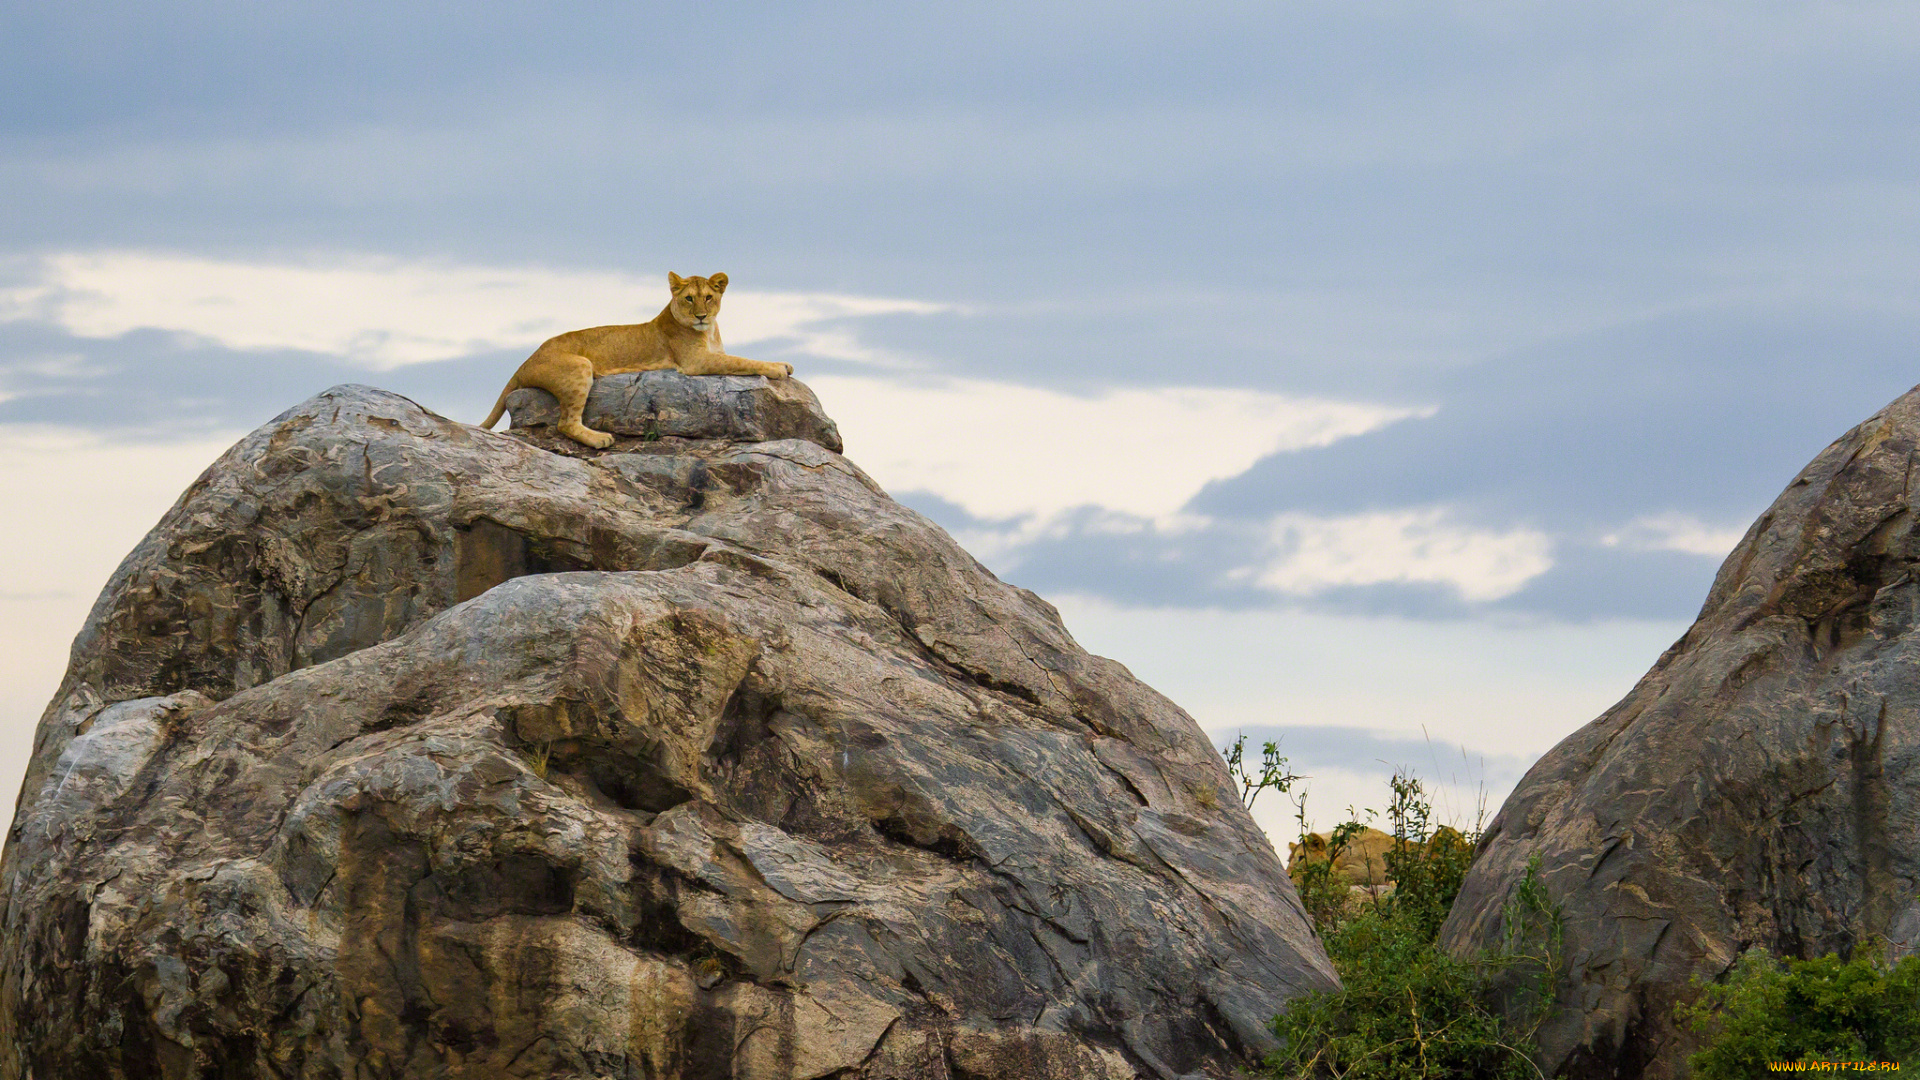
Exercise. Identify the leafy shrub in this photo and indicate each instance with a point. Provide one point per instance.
(1426, 865)
(1273, 770)
(1824, 1009)
(1325, 894)
(1322, 892)
(1406, 1009)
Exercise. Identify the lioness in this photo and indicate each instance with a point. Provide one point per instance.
(683, 337)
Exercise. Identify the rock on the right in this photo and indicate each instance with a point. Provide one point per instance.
(1758, 787)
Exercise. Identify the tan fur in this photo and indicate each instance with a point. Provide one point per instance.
(1363, 861)
(684, 336)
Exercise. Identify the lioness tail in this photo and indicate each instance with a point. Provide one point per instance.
(500, 406)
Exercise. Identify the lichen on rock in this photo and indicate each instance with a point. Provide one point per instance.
(405, 749)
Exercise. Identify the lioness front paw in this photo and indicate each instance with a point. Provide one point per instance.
(785, 370)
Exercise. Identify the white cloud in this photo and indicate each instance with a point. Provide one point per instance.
(1420, 546)
(1499, 688)
(385, 313)
(1003, 451)
(1000, 450)
(1676, 532)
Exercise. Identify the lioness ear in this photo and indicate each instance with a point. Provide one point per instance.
(719, 282)
(674, 281)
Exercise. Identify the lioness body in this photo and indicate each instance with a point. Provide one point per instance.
(684, 336)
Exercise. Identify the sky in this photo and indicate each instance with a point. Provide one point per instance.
(1384, 380)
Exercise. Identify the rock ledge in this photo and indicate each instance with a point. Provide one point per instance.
(667, 404)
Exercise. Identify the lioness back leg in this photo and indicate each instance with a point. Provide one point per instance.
(569, 378)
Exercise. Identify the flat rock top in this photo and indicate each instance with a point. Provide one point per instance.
(1761, 784)
(650, 405)
(413, 749)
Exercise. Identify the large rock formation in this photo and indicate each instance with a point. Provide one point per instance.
(400, 748)
(1758, 787)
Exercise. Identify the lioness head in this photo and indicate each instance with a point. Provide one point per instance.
(696, 300)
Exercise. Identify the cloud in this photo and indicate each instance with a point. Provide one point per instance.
(1218, 561)
(1465, 703)
(1001, 451)
(1676, 532)
(996, 449)
(1512, 493)
(1320, 746)
(1590, 581)
(383, 313)
(1420, 546)
(1349, 767)
(1432, 562)
(1170, 494)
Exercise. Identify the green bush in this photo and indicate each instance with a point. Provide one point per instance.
(1323, 892)
(1824, 1009)
(1426, 865)
(1407, 1010)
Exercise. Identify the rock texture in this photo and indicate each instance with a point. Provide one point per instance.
(404, 749)
(652, 405)
(1758, 787)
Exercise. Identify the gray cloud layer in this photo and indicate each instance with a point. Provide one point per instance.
(1645, 259)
